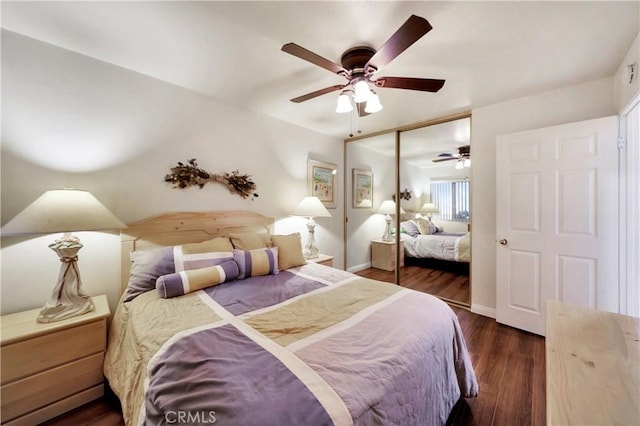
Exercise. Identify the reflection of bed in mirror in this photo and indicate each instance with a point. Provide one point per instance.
(449, 251)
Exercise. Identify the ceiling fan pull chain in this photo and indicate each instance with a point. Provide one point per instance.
(351, 124)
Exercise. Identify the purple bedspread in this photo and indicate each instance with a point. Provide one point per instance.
(308, 346)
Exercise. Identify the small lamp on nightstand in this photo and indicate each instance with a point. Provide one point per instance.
(64, 210)
(387, 208)
(311, 207)
(429, 209)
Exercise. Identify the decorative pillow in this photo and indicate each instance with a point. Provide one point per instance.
(253, 263)
(289, 250)
(184, 282)
(410, 228)
(201, 255)
(250, 240)
(425, 226)
(146, 267)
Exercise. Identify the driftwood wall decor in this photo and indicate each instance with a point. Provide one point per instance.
(190, 174)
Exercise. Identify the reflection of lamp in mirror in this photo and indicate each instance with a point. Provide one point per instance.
(64, 210)
(311, 207)
(387, 208)
(429, 209)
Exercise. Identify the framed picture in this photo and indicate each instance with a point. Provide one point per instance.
(362, 189)
(321, 179)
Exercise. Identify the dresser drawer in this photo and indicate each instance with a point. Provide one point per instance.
(42, 389)
(41, 353)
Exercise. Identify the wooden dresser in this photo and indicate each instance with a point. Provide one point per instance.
(593, 367)
(48, 369)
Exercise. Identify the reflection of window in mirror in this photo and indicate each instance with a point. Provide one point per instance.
(451, 199)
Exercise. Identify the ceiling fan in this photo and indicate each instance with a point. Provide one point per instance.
(464, 154)
(359, 65)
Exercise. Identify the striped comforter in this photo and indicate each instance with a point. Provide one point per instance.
(311, 345)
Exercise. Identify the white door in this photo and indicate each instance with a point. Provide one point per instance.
(557, 220)
(630, 211)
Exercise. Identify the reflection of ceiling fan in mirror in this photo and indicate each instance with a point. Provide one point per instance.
(359, 64)
(463, 157)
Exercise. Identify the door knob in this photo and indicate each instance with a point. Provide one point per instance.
(503, 242)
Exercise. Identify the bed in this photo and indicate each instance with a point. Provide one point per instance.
(308, 345)
(453, 247)
(427, 246)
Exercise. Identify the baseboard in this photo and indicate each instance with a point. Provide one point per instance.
(359, 268)
(484, 311)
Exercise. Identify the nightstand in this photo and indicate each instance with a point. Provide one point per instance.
(383, 255)
(49, 369)
(322, 259)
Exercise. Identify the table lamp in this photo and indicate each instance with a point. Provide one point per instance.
(387, 208)
(64, 210)
(311, 207)
(429, 209)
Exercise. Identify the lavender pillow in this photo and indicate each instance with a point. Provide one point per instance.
(146, 267)
(410, 228)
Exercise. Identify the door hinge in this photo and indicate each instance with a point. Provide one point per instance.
(622, 142)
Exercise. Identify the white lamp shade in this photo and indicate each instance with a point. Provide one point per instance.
(388, 207)
(63, 210)
(362, 92)
(344, 104)
(373, 104)
(311, 207)
(429, 208)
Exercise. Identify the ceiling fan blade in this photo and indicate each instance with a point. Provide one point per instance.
(317, 93)
(309, 56)
(360, 107)
(409, 83)
(438, 160)
(410, 32)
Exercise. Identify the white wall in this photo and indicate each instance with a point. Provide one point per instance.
(72, 121)
(574, 103)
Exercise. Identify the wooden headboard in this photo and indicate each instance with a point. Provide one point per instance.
(186, 227)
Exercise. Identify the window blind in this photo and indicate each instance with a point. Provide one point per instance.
(452, 200)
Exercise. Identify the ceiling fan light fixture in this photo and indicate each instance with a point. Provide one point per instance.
(363, 93)
(467, 162)
(459, 164)
(344, 103)
(373, 104)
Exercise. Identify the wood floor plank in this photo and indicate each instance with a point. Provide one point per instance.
(515, 397)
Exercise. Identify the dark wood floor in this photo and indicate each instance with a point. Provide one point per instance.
(444, 284)
(509, 365)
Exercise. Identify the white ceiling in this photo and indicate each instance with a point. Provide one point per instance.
(487, 51)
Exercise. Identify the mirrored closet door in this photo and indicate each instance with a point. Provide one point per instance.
(424, 171)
